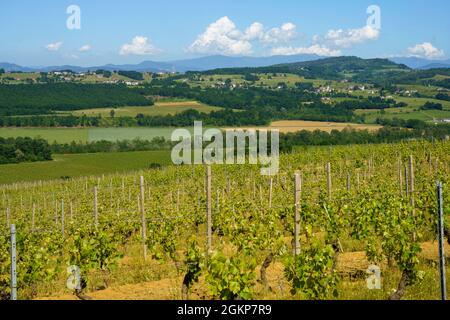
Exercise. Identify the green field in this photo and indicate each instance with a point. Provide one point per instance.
(114, 134)
(67, 135)
(412, 111)
(76, 165)
(159, 109)
(60, 135)
(405, 114)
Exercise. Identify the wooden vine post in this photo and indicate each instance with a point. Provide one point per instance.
(400, 179)
(297, 195)
(33, 213)
(208, 210)
(95, 207)
(329, 180)
(270, 191)
(62, 217)
(411, 190)
(143, 220)
(8, 218)
(348, 182)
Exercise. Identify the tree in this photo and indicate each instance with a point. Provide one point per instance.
(2, 71)
(431, 106)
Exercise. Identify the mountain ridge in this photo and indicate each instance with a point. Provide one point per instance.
(217, 62)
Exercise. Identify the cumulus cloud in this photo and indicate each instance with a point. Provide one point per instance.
(254, 32)
(313, 49)
(426, 50)
(54, 46)
(346, 39)
(332, 43)
(85, 48)
(139, 46)
(223, 37)
(284, 34)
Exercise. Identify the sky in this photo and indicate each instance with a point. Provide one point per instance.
(97, 32)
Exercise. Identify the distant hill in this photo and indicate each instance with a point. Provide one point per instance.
(335, 68)
(346, 64)
(14, 67)
(196, 64)
(420, 63)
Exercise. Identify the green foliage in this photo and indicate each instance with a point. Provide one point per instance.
(231, 278)
(132, 75)
(38, 260)
(194, 261)
(24, 99)
(15, 150)
(431, 106)
(311, 272)
(93, 249)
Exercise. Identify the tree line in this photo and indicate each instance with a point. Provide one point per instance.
(351, 136)
(23, 99)
(24, 149)
(157, 143)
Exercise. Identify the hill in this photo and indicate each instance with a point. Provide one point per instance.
(335, 68)
(195, 64)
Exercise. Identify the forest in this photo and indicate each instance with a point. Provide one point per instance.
(15, 150)
(38, 99)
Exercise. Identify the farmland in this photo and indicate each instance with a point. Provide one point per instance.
(67, 135)
(357, 214)
(298, 125)
(159, 109)
(76, 165)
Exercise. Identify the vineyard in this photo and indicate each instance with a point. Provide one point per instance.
(226, 232)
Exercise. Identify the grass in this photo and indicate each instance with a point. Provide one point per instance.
(159, 109)
(113, 134)
(77, 165)
(405, 114)
(418, 102)
(299, 125)
(412, 111)
(67, 135)
(60, 135)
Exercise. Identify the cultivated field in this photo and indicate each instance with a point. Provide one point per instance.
(67, 135)
(159, 109)
(76, 165)
(299, 125)
(352, 208)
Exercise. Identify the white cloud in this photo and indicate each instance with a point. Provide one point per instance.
(223, 37)
(332, 43)
(284, 34)
(316, 49)
(139, 46)
(85, 48)
(426, 50)
(54, 46)
(346, 39)
(254, 32)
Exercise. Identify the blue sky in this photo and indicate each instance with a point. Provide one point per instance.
(35, 32)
